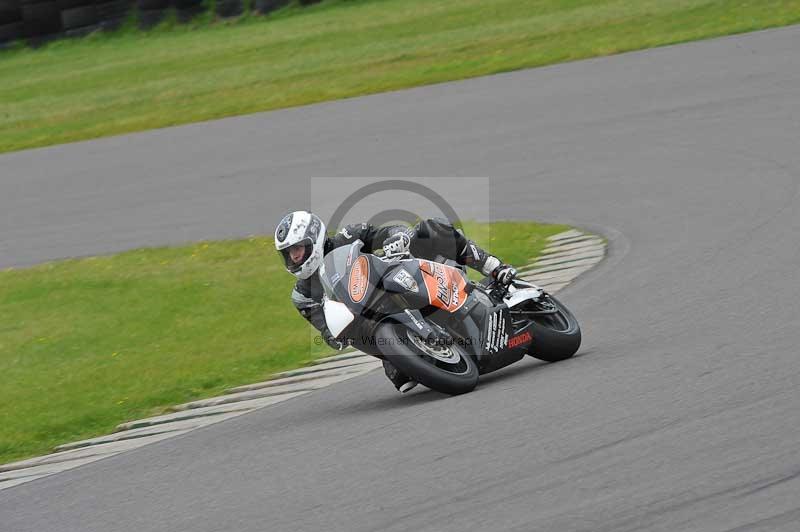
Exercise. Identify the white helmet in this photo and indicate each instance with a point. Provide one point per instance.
(297, 229)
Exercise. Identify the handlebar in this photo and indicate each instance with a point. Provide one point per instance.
(494, 289)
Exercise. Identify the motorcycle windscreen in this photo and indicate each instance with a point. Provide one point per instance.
(446, 285)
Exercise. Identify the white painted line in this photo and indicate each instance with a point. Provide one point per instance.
(563, 261)
(570, 258)
(594, 247)
(353, 354)
(97, 451)
(70, 459)
(560, 267)
(296, 379)
(314, 384)
(175, 426)
(246, 396)
(574, 254)
(241, 406)
(337, 364)
(553, 277)
(573, 240)
(578, 245)
(572, 233)
(42, 470)
(573, 272)
(11, 483)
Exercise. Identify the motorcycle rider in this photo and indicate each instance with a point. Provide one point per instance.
(301, 240)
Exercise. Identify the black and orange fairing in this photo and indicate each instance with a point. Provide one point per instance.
(447, 286)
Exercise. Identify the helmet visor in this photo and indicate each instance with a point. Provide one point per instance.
(297, 254)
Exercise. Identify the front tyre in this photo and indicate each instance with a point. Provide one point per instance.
(446, 369)
(556, 336)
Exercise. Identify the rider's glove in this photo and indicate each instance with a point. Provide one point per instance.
(396, 245)
(334, 342)
(504, 274)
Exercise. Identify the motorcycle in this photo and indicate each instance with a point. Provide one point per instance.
(434, 324)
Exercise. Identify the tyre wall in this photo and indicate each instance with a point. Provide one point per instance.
(38, 21)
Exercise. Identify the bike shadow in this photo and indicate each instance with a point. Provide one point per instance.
(396, 401)
(526, 366)
(421, 395)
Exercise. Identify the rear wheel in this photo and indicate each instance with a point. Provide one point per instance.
(447, 369)
(556, 336)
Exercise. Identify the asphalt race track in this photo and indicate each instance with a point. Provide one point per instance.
(682, 410)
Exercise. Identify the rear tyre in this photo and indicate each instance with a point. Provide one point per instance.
(447, 369)
(556, 336)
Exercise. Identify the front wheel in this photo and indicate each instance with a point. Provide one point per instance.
(446, 369)
(556, 336)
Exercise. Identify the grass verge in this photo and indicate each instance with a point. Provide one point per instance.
(132, 81)
(89, 343)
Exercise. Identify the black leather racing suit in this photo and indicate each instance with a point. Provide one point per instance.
(430, 239)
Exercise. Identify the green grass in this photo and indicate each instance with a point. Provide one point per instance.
(111, 84)
(89, 343)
